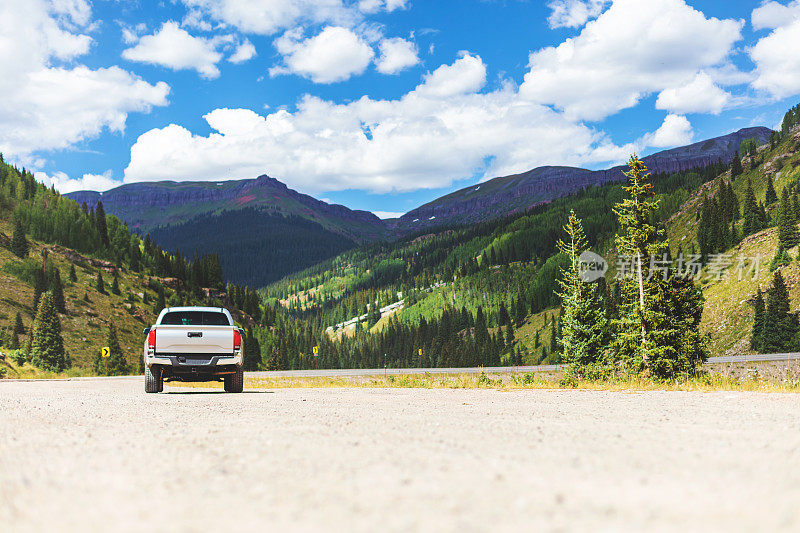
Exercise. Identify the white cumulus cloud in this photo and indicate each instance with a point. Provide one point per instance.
(777, 61)
(675, 131)
(88, 182)
(244, 52)
(634, 48)
(701, 95)
(771, 15)
(335, 54)
(268, 17)
(573, 13)
(466, 74)
(175, 48)
(396, 54)
(50, 105)
(445, 129)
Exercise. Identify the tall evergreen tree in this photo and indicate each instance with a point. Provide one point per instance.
(100, 221)
(73, 276)
(117, 365)
(779, 325)
(19, 327)
(772, 196)
(115, 284)
(100, 284)
(736, 165)
(39, 287)
(752, 212)
(47, 345)
(57, 289)
(658, 328)
(757, 334)
(788, 235)
(585, 328)
(19, 243)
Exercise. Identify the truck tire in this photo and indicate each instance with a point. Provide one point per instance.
(152, 380)
(235, 382)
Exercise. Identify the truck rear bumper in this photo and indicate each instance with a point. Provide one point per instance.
(195, 367)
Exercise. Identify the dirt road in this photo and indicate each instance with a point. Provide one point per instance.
(101, 455)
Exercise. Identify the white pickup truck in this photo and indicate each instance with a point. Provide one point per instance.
(193, 344)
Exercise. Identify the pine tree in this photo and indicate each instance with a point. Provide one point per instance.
(758, 322)
(47, 345)
(736, 165)
(788, 235)
(19, 327)
(779, 325)
(115, 284)
(772, 196)
(57, 289)
(100, 221)
(585, 328)
(658, 327)
(19, 244)
(116, 365)
(73, 276)
(752, 212)
(14, 341)
(39, 287)
(100, 284)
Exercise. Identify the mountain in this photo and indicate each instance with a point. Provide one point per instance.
(505, 195)
(146, 206)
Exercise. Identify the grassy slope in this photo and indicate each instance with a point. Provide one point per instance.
(728, 315)
(84, 326)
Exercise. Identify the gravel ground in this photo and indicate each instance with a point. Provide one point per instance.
(100, 455)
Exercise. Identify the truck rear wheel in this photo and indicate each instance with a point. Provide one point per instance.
(153, 382)
(235, 382)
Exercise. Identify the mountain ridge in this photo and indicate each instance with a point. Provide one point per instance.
(518, 192)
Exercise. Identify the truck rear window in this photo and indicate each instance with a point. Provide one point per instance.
(195, 318)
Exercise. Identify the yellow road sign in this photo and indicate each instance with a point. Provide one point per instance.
(419, 351)
(315, 350)
(105, 351)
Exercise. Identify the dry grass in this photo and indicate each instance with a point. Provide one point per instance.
(703, 383)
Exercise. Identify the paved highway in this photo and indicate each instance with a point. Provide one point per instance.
(489, 370)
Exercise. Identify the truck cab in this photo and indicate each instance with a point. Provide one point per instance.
(192, 344)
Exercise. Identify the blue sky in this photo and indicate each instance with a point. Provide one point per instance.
(379, 104)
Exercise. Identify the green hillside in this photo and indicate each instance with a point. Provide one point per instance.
(80, 247)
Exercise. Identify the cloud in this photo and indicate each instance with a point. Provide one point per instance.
(47, 105)
(634, 48)
(244, 52)
(573, 13)
(466, 74)
(701, 95)
(777, 61)
(88, 182)
(396, 55)
(335, 54)
(268, 17)
(675, 131)
(174, 48)
(773, 15)
(388, 214)
(443, 130)
(374, 6)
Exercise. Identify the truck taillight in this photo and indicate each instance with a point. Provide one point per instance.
(237, 340)
(151, 339)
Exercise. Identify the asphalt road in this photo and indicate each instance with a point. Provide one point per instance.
(100, 455)
(490, 370)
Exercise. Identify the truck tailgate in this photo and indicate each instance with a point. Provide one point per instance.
(194, 339)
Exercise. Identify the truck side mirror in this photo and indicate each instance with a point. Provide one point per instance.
(241, 331)
(146, 331)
